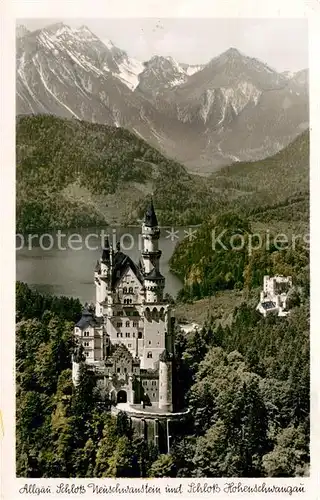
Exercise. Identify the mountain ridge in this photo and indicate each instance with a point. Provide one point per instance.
(204, 116)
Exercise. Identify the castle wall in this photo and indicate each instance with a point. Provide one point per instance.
(154, 342)
(150, 388)
(155, 429)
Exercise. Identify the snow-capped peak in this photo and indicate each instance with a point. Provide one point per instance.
(109, 44)
(175, 65)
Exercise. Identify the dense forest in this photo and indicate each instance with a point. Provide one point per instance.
(247, 386)
(72, 173)
(226, 254)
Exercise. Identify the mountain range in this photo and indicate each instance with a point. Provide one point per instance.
(234, 108)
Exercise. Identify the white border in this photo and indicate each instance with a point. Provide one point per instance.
(10, 10)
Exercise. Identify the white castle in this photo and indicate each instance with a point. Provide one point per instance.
(127, 340)
(273, 298)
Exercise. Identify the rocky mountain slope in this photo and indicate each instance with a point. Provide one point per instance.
(233, 108)
(161, 73)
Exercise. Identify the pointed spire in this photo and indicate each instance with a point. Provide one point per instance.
(106, 250)
(150, 219)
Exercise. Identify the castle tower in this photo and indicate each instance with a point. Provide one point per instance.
(102, 275)
(150, 257)
(165, 381)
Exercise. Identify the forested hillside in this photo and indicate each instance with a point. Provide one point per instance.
(72, 173)
(247, 386)
(276, 188)
(248, 390)
(225, 255)
(268, 194)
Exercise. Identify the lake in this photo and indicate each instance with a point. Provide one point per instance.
(62, 263)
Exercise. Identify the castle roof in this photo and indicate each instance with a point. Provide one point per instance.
(121, 262)
(120, 351)
(150, 218)
(154, 275)
(88, 318)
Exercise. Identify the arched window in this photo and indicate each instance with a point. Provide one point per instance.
(149, 355)
(139, 335)
(131, 290)
(155, 314)
(125, 290)
(148, 314)
(127, 323)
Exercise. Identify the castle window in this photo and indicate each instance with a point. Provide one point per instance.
(86, 344)
(118, 370)
(139, 335)
(154, 395)
(125, 290)
(127, 323)
(86, 353)
(129, 345)
(135, 324)
(149, 355)
(118, 334)
(134, 334)
(86, 334)
(125, 370)
(127, 334)
(119, 325)
(149, 343)
(131, 290)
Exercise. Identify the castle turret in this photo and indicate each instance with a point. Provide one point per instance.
(102, 275)
(165, 381)
(150, 257)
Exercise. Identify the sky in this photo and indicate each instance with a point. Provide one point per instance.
(281, 43)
